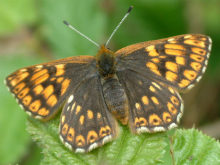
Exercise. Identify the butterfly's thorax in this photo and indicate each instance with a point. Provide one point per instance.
(113, 92)
(105, 61)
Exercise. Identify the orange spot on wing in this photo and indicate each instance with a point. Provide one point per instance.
(41, 79)
(38, 89)
(108, 129)
(52, 79)
(92, 137)
(10, 78)
(19, 87)
(89, 114)
(156, 60)
(184, 83)
(171, 66)
(174, 100)
(52, 100)
(43, 112)
(65, 129)
(153, 67)
(174, 46)
(65, 85)
(167, 118)
(196, 66)
(19, 78)
(34, 107)
(195, 43)
(60, 70)
(197, 58)
(80, 141)
(180, 60)
(152, 89)
(60, 79)
(48, 91)
(174, 52)
(171, 108)
(104, 131)
(71, 134)
(81, 119)
(151, 50)
(171, 76)
(145, 100)
(78, 109)
(155, 100)
(27, 100)
(23, 93)
(155, 120)
(38, 74)
(140, 122)
(190, 74)
(199, 51)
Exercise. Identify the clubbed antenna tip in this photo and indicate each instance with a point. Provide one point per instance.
(129, 10)
(66, 23)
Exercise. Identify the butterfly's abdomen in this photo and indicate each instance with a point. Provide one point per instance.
(115, 98)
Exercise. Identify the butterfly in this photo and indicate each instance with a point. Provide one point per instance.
(137, 85)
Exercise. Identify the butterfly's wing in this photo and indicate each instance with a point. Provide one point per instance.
(41, 89)
(152, 72)
(86, 122)
(153, 105)
(178, 61)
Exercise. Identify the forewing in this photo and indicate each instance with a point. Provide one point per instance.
(178, 61)
(85, 122)
(41, 89)
(153, 106)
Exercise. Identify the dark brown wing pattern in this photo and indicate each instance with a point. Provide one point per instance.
(41, 89)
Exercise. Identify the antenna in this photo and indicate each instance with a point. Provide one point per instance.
(129, 10)
(81, 33)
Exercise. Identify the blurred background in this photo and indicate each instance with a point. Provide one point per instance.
(32, 32)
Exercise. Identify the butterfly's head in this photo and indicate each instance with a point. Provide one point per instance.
(105, 59)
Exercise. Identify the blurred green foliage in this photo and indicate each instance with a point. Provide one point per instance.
(32, 32)
(192, 147)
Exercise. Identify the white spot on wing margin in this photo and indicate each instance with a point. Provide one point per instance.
(70, 99)
(142, 130)
(80, 150)
(173, 125)
(107, 139)
(171, 39)
(68, 146)
(158, 129)
(92, 146)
